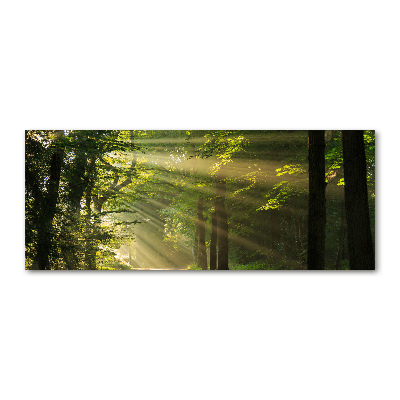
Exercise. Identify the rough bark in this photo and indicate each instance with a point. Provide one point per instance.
(316, 201)
(360, 245)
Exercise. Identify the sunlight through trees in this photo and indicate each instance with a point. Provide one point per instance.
(217, 200)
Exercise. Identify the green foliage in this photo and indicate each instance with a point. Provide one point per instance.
(280, 194)
(223, 145)
(172, 174)
(334, 155)
(290, 170)
(114, 267)
(334, 152)
(194, 268)
(95, 162)
(252, 178)
(261, 265)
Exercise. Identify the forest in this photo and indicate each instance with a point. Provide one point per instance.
(199, 200)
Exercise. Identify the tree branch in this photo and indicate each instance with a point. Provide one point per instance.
(114, 188)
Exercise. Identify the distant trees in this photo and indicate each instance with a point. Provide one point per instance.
(222, 145)
(202, 251)
(316, 201)
(360, 245)
(213, 241)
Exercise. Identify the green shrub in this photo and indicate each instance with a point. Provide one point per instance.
(114, 266)
(194, 268)
(259, 265)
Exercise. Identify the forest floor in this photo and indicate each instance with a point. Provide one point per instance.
(160, 269)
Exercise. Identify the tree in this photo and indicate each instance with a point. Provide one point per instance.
(202, 234)
(213, 241)
(222, 220)
(316, 201)
(44, 189)
(223, 145)
(85, 190)
(360, 245)
(66, 171)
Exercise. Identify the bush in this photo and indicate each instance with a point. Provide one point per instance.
(113, 267)
(259, 265)
(194, 268)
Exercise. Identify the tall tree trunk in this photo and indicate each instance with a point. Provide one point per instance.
(342, 237)
(196, 245)
(222, 221)
(79, 188)
(316, 201)
(300, 235)
(361, 251)
(90, 248)
(202, 234)
(213, 242)
(275, 229)
(48, 210)
(196, 230)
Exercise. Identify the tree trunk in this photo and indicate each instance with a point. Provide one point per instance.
(342, 237)
(196, 245)
(90, 248)
(316, 201)
(202, 234)
(48, 210)
(275, 229)
(213, 242)
(222, 221)
(360, 245)
(300, 242)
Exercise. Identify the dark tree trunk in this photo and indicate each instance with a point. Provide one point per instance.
(275, 229)
(90, 248)
(342, 236)
(78, 182)
(360, 245)
(316, 201)
(91, 220)
(202, 234)
(222, 221)
(213, 242)
(47, 212)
